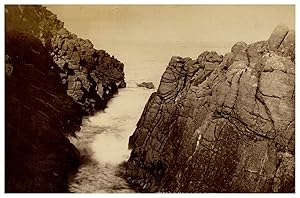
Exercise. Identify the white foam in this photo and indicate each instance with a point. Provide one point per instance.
(118, 122)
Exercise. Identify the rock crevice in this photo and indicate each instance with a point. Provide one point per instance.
(221, 123)
(89, 76)
(52, 79)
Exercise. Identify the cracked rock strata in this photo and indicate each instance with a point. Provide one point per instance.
(89, 76)
(221, 123)
(43, 63)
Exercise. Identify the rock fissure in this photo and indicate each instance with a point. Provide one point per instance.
(52, 79)
(226, 122)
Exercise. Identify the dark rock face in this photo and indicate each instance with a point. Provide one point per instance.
(221, 123)
(38, 156)
(90, 76)
(49, 86)
(148, 85)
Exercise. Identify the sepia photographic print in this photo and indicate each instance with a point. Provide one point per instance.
(149, 98)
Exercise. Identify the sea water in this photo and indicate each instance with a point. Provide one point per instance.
(104, 136)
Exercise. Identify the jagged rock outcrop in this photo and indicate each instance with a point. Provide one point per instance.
(221, 123)
(90, 76)
(41, 70)
(148, 85)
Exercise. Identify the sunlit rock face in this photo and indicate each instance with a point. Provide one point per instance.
(221, 123)
(49, 86)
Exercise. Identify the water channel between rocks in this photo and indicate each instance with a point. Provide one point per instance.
(104, 138)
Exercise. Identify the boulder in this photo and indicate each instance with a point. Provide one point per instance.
(278, 36)
(122, 84)
(148, 85)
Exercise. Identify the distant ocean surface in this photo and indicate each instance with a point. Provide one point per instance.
(106, 133)
(147, 61)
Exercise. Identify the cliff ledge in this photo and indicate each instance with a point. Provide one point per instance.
(221, 123)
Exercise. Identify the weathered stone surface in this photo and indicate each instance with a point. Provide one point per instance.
(239, 47)
(39, 113)
(287, 47)
(8, 67)
(220, 124)
(45, 62)
(256, 50)
(70, 53)
(122, 84)
(277, 36)
(148, 85)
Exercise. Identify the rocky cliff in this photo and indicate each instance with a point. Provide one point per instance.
(221, 123)
(90, 76)
(52, 79)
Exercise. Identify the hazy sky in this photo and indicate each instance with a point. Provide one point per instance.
(145, 37)
(175, 23)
